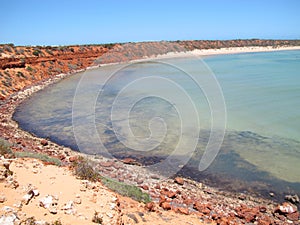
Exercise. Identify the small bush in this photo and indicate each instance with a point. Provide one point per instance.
(84, 170)
(36, 53)
(42, 157)
(5, 147)
(126, 190)
(30, 69)
(20, 74)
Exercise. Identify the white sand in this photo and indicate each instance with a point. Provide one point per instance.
(221, 51)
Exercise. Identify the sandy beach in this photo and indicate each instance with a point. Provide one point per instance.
(190, 202)
(223, 51)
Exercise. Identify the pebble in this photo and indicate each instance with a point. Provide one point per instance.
(73, 158)
(110, 215)
(26, 198)
(292, 198)
(145, 187)
(179, 180)
(166, 205)
(184, 211)
(46, 201)
(112, 206)
(150, 206)
(69, 208)
(44, 142)
(286, 208)
(53, 208)
(77, 200)
(2, 198)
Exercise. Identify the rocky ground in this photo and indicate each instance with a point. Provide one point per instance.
(49, 193)
(31, 188)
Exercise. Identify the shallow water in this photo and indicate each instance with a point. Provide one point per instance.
(157, 100)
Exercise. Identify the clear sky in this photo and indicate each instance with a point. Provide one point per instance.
(53, 22)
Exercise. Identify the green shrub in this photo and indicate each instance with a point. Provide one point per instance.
(126, 190)
(36, 53)
(20, 74)
(30, 69)
(42, 157)
(83, 169)
(5, 147)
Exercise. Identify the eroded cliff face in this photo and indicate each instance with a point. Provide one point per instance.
(22, 66)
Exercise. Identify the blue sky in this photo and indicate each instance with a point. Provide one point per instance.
(35, 22)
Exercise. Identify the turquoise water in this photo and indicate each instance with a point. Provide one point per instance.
(267, 85)
(165, 108)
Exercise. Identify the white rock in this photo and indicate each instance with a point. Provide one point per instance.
(53, 208)
(19, 204)
(36, 192)
(109, 215)
(112, 206)
(8, 209)
(8, 220)
(26, 198)
(46, 201)
(68, 205)
(287, 208)
(114, 199)
(82, 217)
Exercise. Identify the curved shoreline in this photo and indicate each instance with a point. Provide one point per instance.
(24, 141)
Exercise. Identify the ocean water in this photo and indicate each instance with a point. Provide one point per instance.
(156, 109)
